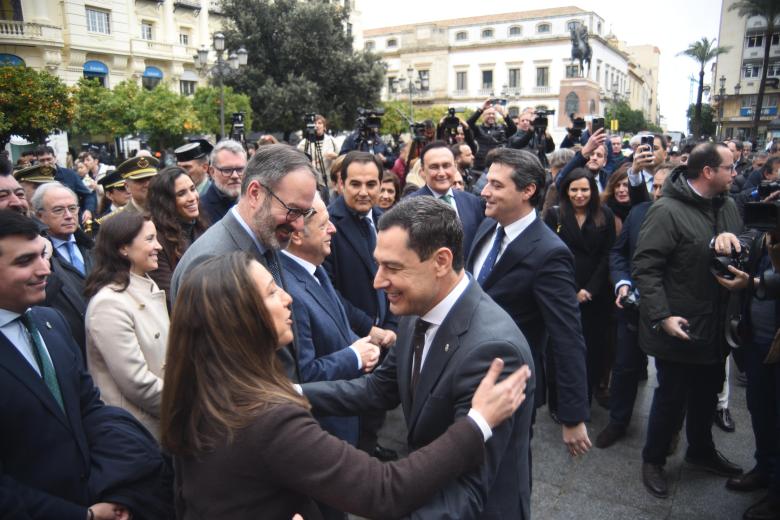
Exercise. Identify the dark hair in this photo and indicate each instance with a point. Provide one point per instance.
(90, 153)
(221, 366)
(704, 154)
(361, 158)
(526, 170)
(43, 150)
(430, 223)
(769, 166)
(162, 206)
(663, 140)
(455, 149)
(618, 175)
(13, 223)
(6, 166)
(391, 177)
(593, 209)
(432, 146)
(110, 266)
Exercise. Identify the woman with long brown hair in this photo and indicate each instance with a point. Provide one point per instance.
(174, 204)
(616, 196)
(244, 441)
(127, 319)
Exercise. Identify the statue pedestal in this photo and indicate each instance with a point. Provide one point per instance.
(579, 95)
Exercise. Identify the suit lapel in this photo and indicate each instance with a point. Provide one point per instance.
(486, 228)
(515, 252)
(239, 235)
(18, 367)
(318, 295)
(444, 345)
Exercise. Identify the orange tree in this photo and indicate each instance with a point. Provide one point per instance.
(33, 104)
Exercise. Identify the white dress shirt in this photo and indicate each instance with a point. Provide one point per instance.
(15, 331)
(452, 198)
(512, 231)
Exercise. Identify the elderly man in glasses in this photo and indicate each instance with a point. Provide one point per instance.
(228, 162)
(276, 195)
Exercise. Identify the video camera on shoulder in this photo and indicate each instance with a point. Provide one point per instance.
(540, 122)
(577, 127)
(369, 120)
(418, 132)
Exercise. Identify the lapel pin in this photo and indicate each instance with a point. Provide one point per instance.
(48, 325)
(447, 347)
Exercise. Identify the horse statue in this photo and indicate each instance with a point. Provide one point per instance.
(580, 49)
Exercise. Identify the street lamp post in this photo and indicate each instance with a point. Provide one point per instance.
(235, 60)
(412, 86)
(721, 99)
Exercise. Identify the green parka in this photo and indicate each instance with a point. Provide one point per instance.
(671, 269)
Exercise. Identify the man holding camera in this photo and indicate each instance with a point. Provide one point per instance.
(533, 136)
(682, 310)
(365, 138)
(320, 146)
(757, 292)
(490, 134)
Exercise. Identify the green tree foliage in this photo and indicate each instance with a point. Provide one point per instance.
(121, 110)
(33, 104)
(769, 10)
(90, 98)
(165, 116)
(707, 119)
(702, 51)
(631, 121)
(206, 103)
(300, 60)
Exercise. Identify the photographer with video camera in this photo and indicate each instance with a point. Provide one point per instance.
(365, 137)
(577, 133)
(320, 147)
(750, 268)
(532, 134)
(682, 310)
(490, 134)
(452, 130)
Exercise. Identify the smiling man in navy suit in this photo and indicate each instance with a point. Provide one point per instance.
(64, 454)
(439, 168)
(529, 272)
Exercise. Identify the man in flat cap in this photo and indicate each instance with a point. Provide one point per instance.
(32, 177)
(194, 158)
(137, 173)
(228, 161)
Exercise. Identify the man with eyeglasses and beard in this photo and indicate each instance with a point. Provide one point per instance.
(228, 161)
(277, 193)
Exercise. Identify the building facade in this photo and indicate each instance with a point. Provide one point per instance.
(736, 75)
(149, 41)
(524, 57)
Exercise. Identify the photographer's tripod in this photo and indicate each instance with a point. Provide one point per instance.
(314, 150)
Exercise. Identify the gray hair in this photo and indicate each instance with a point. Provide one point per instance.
(43, 189)
(560, 157)
(231, 146)
(271, 163)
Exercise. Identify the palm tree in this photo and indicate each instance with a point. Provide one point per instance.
(702, 51)
(769, 10)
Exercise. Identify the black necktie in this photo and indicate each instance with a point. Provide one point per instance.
(418, 343)
(273, 266)
(368, 231)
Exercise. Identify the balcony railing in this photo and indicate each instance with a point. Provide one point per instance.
(12, 28)
(485, 91)
(460, 93)
(141, 46)
(542, 90)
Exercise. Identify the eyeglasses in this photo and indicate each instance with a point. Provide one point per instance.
(293, 214)
(731, 167)
(59, 211)
(228, 172)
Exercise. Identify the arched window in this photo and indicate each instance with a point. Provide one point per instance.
(515, 31)
(487, 33)
(369, 45)
(11, 60)
(572, 103)
(543, 28)
(392, 43)
(573, 25)
(461, 36)
(592, 107)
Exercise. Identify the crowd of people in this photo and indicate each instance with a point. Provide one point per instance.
(222, 337)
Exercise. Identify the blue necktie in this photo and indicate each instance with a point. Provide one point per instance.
(492, 256)
(327, 286)
(75, 261)
(41, 356)
(368, 230)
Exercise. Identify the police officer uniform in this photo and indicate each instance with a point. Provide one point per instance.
(195, 149)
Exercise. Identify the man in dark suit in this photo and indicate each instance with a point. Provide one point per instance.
(228, 162)
(438, 166)
(276, 194)
(328, 349)
(529, 272)
(451, 333)
(351, 267)
(56, 207)
(87, 198)
(64, 453)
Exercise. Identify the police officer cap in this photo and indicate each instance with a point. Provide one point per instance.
(195, 149)
(137, 168)
(38, 174)
(111, 180)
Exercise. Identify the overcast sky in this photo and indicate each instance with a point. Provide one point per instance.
(670, 25)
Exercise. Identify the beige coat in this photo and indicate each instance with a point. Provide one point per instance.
(127, 334)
